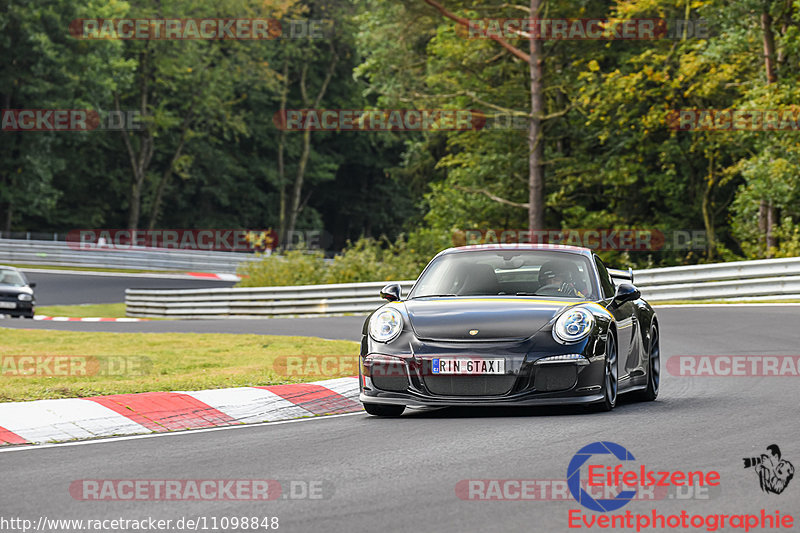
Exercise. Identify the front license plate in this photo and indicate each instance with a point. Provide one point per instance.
(460, 365)
(8, 305)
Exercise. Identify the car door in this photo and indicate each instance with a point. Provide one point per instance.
(625, 317)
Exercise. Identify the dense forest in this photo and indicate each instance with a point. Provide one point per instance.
(577, 133)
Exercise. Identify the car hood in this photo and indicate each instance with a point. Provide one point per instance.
(451, 319)
(10, 290)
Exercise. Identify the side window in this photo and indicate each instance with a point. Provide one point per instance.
(605, 279)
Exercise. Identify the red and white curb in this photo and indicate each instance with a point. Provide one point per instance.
(86, 319)
(209, 275)
(43, 421)
(155, 274)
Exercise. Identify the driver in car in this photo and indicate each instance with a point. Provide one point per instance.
(556, 279)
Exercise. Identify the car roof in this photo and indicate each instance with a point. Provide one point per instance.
(520, 246)
(6, 267)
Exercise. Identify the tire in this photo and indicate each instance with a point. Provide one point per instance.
(610, 376)
(653, 368)
(379, 409)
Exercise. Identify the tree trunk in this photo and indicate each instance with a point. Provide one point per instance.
(766, 209)
(297, 190)
(535, 144)
(281, 168)
(9, 216)
(295, 205)
(708, 212)
(155, 211)
(141, 161)
(772, 242)
(769, 47)
(282, 194)
(762, 224)
(135, 203)
(8, 179)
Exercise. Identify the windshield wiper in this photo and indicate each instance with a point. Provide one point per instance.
(433, 296)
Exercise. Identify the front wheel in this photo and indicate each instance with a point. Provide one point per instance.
(609, 376)
(379, 409)
(653, 368)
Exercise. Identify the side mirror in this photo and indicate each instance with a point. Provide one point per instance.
(32, 285)
(391, 292)
(625, 293)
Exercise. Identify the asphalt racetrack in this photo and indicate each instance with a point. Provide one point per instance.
(401, 475)
(341, 327)
(76, 287)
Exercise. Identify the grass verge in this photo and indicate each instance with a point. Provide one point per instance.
(141, 362)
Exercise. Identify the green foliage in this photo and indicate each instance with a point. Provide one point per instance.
(611, 159)
(295, 267)
(788, 234)
(217, 97)
(44, 68)
(365, 260)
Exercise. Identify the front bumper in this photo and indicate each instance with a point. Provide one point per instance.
(529, 378)
(21, 309)
(412, 401)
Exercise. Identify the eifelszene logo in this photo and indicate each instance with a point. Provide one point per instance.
(774, 473)
(574, 476)
(622, 483)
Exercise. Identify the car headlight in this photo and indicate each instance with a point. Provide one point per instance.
(386, 325)
(573, 325)
(25, 297)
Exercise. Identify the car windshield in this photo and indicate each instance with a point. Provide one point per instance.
(11, 277)
(504, 272)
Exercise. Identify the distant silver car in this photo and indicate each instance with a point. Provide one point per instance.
(16, 293)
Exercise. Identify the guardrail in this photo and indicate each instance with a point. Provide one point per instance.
(739, 280)
(771, 278)
(60, 253)
(257, 301)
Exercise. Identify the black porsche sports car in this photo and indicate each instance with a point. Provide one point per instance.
(16, 294)
(517, 324)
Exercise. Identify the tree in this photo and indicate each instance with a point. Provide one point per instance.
(45, 68)
(182, 91)
(535, 63)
